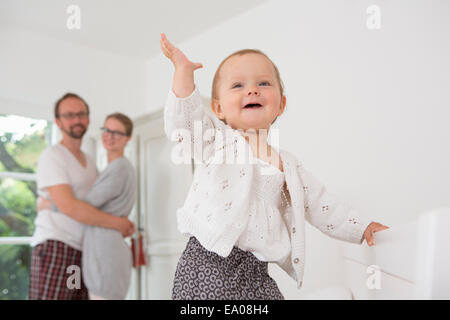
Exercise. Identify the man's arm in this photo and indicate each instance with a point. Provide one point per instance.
(83, 212)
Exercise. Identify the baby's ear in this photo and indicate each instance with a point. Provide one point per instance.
(282, 105)
(217, 109)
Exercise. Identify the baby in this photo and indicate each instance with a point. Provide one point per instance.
(237, 215)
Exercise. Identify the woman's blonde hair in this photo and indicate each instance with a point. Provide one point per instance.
(125, 120)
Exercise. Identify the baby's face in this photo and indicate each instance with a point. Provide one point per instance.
(249, 94)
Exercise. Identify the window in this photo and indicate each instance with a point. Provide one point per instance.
(21, 142)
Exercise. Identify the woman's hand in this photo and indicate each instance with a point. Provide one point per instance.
(125, 226)
(370, 230)
(43, 204)
(177, 56)
(183, 80)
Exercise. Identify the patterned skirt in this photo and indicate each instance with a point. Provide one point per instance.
(204, 275)
(56, 273)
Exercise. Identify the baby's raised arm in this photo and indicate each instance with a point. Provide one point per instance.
(184, 111)
(183, 81)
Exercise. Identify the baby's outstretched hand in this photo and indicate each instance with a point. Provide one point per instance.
(177, 56)
(370, 230)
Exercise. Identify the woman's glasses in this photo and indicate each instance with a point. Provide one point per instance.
(113, 133)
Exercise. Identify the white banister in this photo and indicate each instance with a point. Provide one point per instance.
(15, 240)
(19, 176)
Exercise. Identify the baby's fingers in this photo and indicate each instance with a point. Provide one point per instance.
(369, 239)
(368, 235)
(165, 50)
(166, 43)
(379, 227)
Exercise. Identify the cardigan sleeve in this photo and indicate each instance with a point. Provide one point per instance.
(330, 215)
(108, 185)
(187, 123)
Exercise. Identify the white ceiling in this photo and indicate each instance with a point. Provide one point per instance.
(123, 27)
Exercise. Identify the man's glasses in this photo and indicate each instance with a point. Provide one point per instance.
(113, 133)
(71, 116)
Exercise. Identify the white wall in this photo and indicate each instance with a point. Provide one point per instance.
(36, 70)
(367, 110)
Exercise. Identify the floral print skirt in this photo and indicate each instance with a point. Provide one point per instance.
(204, 275)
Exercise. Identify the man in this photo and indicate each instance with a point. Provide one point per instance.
(64, 175)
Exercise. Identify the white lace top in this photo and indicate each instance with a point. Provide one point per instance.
(231, 204)
(266, 234)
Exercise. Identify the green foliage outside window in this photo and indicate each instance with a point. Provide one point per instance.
(19, 152)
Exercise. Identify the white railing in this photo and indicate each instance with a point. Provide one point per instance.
(15, 240)
(408, 261)
(19, 176)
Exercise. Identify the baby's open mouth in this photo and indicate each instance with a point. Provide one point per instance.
(253, 105)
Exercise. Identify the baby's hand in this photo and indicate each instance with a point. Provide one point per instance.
(177, 56)
(370, 230)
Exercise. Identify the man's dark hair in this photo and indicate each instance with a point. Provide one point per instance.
(66, 96)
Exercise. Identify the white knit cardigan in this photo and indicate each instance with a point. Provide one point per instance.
(216, 208)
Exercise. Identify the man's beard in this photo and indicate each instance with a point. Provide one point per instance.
(73, 134)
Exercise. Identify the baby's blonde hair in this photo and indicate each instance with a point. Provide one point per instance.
(241, 53)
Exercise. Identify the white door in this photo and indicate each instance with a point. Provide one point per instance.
(163, 187)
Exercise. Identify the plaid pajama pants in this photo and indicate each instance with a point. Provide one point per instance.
(56, 273)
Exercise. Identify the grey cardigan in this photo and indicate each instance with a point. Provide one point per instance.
(107, 261)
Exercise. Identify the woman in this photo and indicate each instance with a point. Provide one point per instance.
(107, 261)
